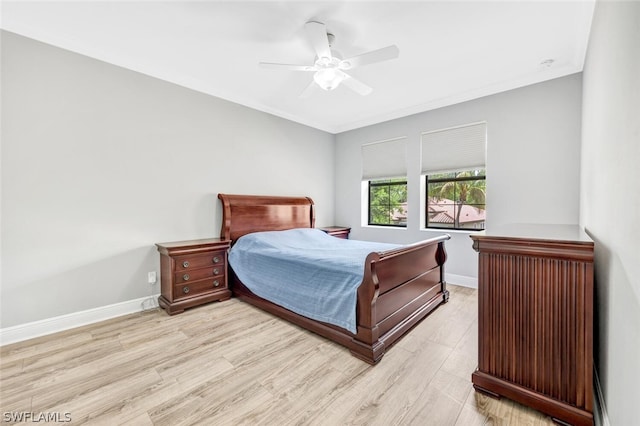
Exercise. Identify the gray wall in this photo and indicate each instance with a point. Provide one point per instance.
(99, 163)
(533, 164)
(610, 200)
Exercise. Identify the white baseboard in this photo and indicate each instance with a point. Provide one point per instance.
(43, 327)
(600, 416)
(461, 280)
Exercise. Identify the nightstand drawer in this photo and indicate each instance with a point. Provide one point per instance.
(197, 274)
(197, 288)
(185, 263)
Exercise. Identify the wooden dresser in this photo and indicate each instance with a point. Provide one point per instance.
(192, 273)
(535, 318)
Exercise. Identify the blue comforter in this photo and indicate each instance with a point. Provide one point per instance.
(306, 271)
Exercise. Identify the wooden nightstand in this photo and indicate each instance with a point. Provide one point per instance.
(192, 273)
(337, 231)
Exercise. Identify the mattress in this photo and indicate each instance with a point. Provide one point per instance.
(306, 271)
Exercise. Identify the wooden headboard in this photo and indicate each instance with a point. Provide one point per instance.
(244, 214)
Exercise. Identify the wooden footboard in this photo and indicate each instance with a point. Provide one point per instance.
(400, 286)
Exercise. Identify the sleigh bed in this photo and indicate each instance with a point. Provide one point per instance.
(400, 286)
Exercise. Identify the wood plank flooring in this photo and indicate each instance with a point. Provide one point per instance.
(229, 363)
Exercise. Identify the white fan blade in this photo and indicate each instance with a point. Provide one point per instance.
(356, 85)
(309, 90)
(384, 54)
(317, 33)
(290, 67)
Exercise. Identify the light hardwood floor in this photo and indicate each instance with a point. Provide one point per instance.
(229, 363)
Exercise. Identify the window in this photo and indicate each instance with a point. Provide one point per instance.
(384, 170)
(388, 202)
(453, 163)
(456, 200)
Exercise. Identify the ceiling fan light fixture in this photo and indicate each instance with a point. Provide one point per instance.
(329, 66)
(328, 78)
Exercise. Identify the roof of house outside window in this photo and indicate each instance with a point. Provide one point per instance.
(443, 211)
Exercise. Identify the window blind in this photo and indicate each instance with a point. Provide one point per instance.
(453, 149)
(384, 159)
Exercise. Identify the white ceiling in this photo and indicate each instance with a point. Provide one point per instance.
(449, 51)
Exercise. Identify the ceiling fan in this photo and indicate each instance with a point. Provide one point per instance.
(329, 67)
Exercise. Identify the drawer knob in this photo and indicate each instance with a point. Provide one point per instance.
(185, 290)
(216, 283)
(216, 271)
(185, 277)
(216, 259)
(185, 264)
